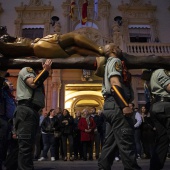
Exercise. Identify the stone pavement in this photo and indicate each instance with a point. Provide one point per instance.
(88, 165)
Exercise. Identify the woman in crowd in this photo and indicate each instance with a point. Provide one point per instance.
(87, 125)
(49, 125)
(67, 123)
(148, 133)
(76, 137)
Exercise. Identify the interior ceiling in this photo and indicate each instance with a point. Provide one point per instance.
(88, 103)
(84, 87)
(82, 90)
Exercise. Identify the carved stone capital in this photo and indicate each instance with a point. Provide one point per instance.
(35, 13)
(35, 2)
(56, 79)
(137, 12)
(116, 27)
(91, 33)
(57, 28)
(56, 85)
(137, 8)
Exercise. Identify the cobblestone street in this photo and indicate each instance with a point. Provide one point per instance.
(87, 165)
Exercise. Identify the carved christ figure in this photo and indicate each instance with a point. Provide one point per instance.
(52, 46)
(60, 47)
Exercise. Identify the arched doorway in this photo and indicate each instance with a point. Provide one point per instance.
(80, 96)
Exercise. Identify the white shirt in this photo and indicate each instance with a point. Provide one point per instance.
(138, 118)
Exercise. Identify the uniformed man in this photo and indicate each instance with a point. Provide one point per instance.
(30, 97)
(117, 93)
(160, 112)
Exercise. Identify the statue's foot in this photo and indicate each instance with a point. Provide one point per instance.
(101, 51)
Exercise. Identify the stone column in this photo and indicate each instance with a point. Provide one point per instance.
(46, 28)
(154, 30)
(105, 23)
(57, 28)
(117, 37)
(56, 86)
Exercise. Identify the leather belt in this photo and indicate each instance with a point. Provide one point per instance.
(29, 104)
(161, 99)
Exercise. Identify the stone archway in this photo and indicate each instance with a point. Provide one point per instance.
(93, 101)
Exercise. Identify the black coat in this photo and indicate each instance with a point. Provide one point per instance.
(67, 129)
(49, 125)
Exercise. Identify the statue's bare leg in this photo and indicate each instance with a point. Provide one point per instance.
(73, 39)
(62, 46)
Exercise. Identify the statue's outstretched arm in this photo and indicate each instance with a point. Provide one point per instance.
(89, 62)
(149, 62)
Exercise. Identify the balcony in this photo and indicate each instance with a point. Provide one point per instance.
(146, 49)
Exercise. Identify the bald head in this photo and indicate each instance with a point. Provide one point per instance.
(112, 50)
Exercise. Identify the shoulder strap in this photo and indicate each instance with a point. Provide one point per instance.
(125, 74)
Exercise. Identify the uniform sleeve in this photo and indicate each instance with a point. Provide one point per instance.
(164, 78)
(114, 67)
(26, 72)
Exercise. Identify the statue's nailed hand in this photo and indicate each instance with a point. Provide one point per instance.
(47, 65)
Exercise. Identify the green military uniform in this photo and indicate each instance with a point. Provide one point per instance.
(30, 101)
(160, 111)
(120, 133)
(25, 93)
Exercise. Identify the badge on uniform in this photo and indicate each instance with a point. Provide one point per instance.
(118, 66)
(30, 70)
(167, 72)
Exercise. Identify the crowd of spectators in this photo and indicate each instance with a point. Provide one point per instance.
(79, 136)
(83, 134)
(76, 135)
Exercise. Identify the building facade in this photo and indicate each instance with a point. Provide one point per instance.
(137, 26)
